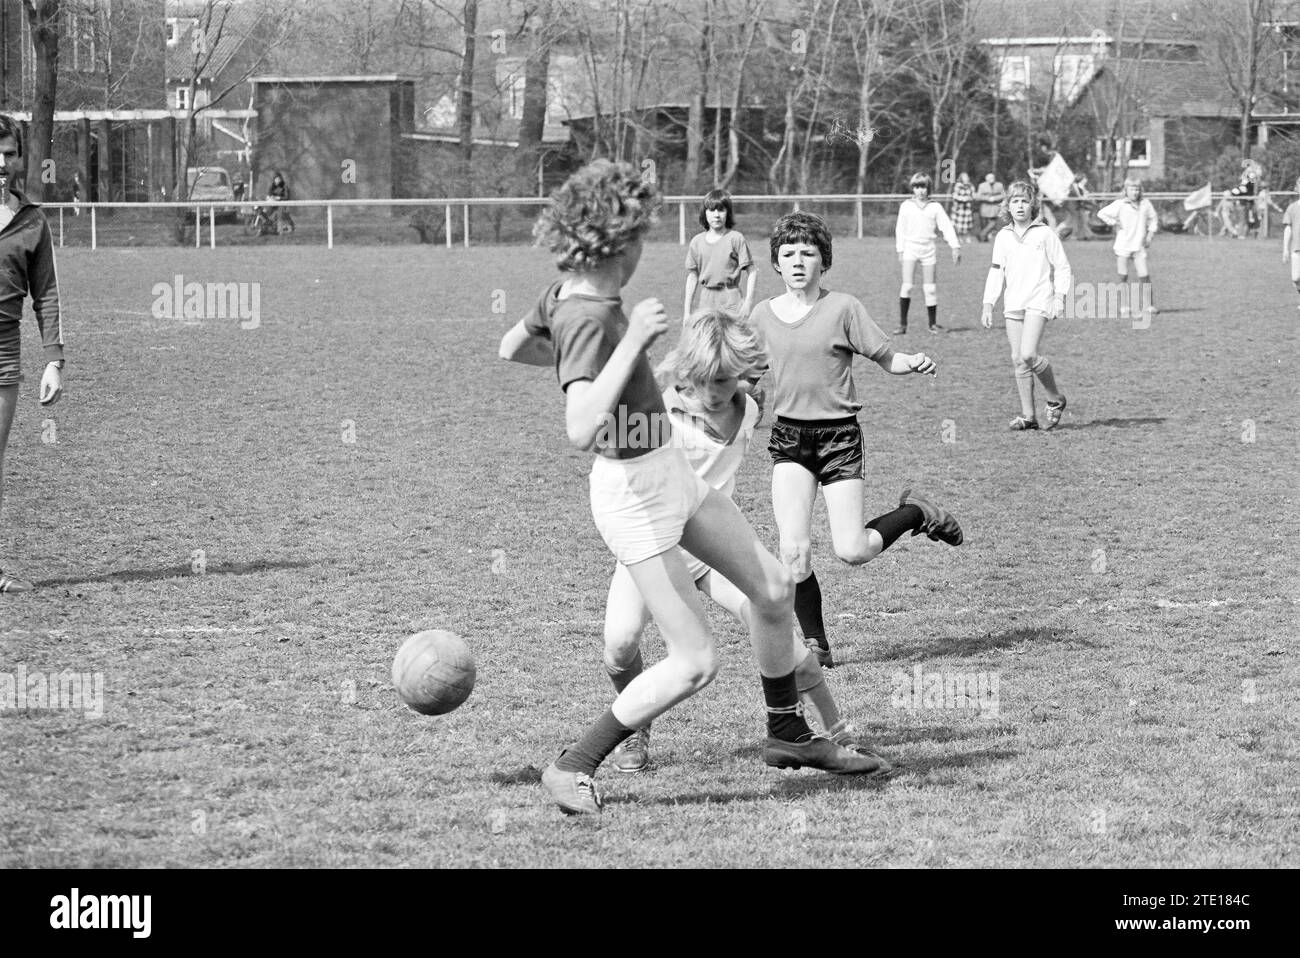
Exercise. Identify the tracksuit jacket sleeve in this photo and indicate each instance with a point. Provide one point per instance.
(945, 227)
(1062, 275)
(997, 272)
(43, 286)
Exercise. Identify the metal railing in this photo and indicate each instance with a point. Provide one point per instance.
(456, 212)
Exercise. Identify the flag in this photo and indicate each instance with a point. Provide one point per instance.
(1055, 180)
(1199, 199)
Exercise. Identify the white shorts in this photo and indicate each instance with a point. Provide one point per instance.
(923, 253)
(1295, 266)
(1139, 259)
(1019, 314)
(641, 505)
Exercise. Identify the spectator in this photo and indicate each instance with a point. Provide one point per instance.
(963, 217)
(990, 194)
(279, 192)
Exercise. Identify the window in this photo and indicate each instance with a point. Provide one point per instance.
(516, 97)
(182, 100)
(1073, 73)
(1130, 151)
(178, 27)
(1015, 77)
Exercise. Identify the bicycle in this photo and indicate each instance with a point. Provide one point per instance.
(261, 223)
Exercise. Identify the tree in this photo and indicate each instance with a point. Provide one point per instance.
(44, 21)
(868, 34)
(949, 65)
(532, 124)
(1241, 41)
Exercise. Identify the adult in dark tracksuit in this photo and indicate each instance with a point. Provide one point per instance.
(26, 268)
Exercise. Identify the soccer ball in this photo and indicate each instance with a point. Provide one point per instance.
(434, 671)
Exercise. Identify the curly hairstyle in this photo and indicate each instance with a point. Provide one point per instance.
(596, 214)
(717, 200)
(802, 228)
(714, 342)
(1021, 188)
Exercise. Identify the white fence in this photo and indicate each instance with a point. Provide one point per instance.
(850, 214)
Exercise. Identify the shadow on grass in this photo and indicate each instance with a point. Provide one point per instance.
(528, 775)
(962, 646)
(1116, 423)
(921, 769)
(183, 571)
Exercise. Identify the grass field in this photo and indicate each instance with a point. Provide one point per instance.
(237, 527)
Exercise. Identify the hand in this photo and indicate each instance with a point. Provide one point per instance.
(51, 385)
(956, 255)
(986, 317)
(921, 363)
(649, 321)
(1054, 309)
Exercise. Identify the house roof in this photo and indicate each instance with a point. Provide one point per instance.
(1163, 87)
(1122, 19)
(233, 23)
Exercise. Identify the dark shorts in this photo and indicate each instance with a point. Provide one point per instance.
(831, 449)
(10, 367)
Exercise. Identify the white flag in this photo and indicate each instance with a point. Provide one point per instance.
(1199, 199)
(1055, 180)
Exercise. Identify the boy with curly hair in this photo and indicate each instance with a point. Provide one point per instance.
(645, 498)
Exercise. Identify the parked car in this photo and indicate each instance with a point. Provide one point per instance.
(208, 183)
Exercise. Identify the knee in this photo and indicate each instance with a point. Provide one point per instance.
(905, 290)
(699, 667)
(1029, 360)
(856, 552)
(776, 596)
(796, 555)
(808, 674)
(931, 291)
(621, 646)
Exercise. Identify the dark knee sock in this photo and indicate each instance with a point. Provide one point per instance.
(904, 304)
(893, 524)
(622, 677)
(1146, 296)
(933, 312)
(600, 738)
(784, 713)
(808, 610)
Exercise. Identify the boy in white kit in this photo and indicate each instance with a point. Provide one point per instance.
(1135, 222)
(918, 220)
(1029, 260)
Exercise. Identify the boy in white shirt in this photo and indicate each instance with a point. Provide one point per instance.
(1135, 222)
(1291, 239)
(1029, 259)
(919, 218)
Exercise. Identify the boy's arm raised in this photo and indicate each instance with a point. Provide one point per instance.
(588, 402)
(518, 345)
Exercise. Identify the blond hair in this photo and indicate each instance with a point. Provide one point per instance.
(714, 342)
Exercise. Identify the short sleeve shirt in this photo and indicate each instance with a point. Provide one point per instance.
(584, 331)
(1291, 218)
(812, 360)
(720, 263)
